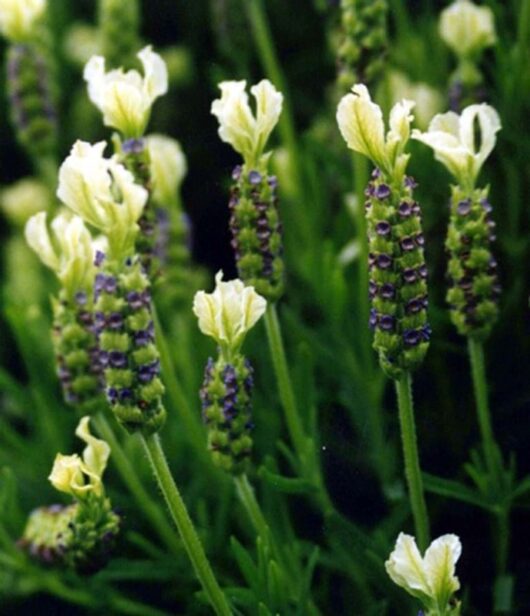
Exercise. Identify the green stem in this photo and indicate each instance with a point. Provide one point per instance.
(411, 457)
(143, 499)
(247, 497)
(478, 372)
(285, 387)
(184, 524)
(177, 398)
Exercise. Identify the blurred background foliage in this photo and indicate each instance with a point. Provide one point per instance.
(338, 384)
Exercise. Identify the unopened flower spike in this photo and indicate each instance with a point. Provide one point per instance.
(30, 85)
(430, 578)
(119, 22)
(81, 535)
(69, 251)
(398, 274)
(254, 221)
(468, 30)
(362, 41)
(104, 193)
(472, 269)
(227, 315)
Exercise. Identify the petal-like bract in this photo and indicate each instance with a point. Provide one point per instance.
(18, 18)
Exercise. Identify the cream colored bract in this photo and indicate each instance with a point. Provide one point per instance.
(229, 312)
(103, 192)
(19, 17)
(467, 28)
(361, 124)
(168, 167)
(452, 137)
(126, 98)
(246, 132)
(430, 579)
(73, 260)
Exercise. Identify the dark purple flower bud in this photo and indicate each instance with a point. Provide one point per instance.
(410, 182)
(236, 173)
(411, 337)
(422, 271)
(386, 322)
(383, 228)
(486, 205)
(464, 207)
(99, 257)
(115, 321)
(103, 358)
(382, 191)
(420, 240)
(373, 318)
(117, 359)
(135, 300)
(404, 209)
(414, 306)
(125, 395)
(372, 289)
(80, 298)
(254, 177)
(142, 337)
(376, 173)
(387, 291)
(99, 320)
(384, 261)
(407, 244)
(112, 395)
(133, 146)
(410, 275)
(110, 284)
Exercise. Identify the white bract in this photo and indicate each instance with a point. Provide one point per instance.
(126, 98)
(467, 28)
(81, 475)
(245, 131)
(229, 312)
(453, 139)
(430, 579)
(18, 18)
(72, 259)
(168, 167)
(103, 192)
(361, 124)
(429, 101)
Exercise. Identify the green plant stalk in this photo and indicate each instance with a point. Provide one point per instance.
(177, 397)
(411, 458)
(478, 373)
(143, 499)
(182, 520)
(285, 386)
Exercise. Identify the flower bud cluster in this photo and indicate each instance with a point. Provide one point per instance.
(362, 50)
(77, 536)
(128, 355)
(118, 26)
(76, 352)
(32, 99)
(398, 285)
(257, 232)
(227, 411)
(472, 268)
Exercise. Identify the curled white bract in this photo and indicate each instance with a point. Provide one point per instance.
(81, 476)
(430, 578)
(126, 98)
(245, 131)
(361, 124)
(467, 28)
(18, 18)
(229, 312)
(168, 167)
(453, 139)
(68, 252)
(102, 192)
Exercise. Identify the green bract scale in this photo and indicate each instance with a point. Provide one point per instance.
(128, 355)
(257, 232)
(472, 268)
(226, 411)
(32, 98)
(363, 42)
(119, 22)
(398, 275)
(78, 536)
(76, 352)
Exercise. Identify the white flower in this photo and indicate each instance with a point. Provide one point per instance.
(23, 199)
(361, 124)
(125, 98)
(103, 193)
(466, 28)
(18, 18)
(229, 312)
(80, 476)
(168, 167)
(429, 101)
(452, 137)
(431, 578)
(245, 132)
(73, 260)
